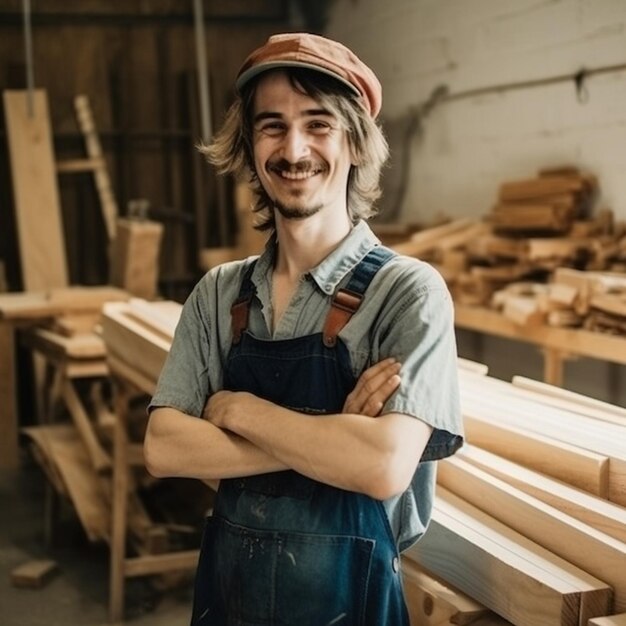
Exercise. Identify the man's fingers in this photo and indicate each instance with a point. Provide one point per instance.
(373, 388)
(373, 377)
(375, 402)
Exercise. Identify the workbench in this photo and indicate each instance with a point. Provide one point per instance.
(22, 311)
(557, 344)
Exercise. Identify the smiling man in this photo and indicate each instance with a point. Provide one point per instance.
(317, 382)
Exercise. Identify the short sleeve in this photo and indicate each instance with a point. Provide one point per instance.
(421, 336)
(184, 382)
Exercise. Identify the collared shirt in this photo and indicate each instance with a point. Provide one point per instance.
(407, 313)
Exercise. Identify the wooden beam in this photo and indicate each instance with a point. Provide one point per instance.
(432, 603)
(9, 449)
(569, 400)
(515, 577)
(602, 515)
(574, 466)
(35, 191)
(580, 544)
(491, 399)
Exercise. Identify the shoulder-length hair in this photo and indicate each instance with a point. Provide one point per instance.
(231, 149)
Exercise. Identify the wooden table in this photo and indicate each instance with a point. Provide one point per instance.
(22, 310)
(557, 344)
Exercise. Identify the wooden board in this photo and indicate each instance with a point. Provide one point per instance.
(135, 257)
(432, 603)
(35, 191)
(597, 512)
(38, 305)
(578, 543)
(609, 620)
(574, 466)
(134, 342)
(504, 570)
(33, 574)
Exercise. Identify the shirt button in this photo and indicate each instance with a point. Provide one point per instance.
(395, 564)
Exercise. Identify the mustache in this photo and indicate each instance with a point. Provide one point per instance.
(282, 165)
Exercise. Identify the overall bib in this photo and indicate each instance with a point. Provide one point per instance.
(282, 549)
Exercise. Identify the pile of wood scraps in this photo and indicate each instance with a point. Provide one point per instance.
(541, 256)
(530, 515)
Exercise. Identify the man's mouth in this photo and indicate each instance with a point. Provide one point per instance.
(297, 172)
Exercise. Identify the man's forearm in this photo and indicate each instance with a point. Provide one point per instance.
(178, 445)
(353, 452)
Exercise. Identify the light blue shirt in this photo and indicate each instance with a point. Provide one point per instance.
(407, 313)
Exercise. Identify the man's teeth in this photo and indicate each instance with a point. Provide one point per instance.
(297, 175)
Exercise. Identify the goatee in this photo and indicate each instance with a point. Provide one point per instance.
(297, 212)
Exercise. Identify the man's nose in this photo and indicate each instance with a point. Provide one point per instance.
(295, 146)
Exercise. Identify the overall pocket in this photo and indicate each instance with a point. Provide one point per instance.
(267, 577)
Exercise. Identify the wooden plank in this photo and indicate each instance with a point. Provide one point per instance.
(32, 306)
(35, 191)
(609, 620)
(570, 400)
(87, 346)
(432, 603)
(502, 569)
(135, 257)
(580, 544)
(596, 512)
(33, 574)
(574, 466)
(133, 343)
(424, 240)
(491, 399)
(94, 151)
(100, 460)
(537, 187)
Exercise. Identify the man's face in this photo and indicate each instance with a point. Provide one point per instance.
(301, 152)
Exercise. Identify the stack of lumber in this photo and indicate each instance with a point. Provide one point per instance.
(547, 204)
(530, 515)
(517, 258)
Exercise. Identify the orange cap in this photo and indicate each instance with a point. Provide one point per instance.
(316, 53)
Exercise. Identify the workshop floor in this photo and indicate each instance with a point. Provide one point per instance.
(77, 593)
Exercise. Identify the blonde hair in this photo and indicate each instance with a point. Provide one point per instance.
(231, 149)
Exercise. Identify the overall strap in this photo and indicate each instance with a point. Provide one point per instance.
(240, 309)
(346, 301)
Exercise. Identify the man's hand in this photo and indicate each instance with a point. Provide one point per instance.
(373, 389)
(219, 407)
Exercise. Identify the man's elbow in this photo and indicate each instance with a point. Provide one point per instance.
(390, 481)
(153, 453)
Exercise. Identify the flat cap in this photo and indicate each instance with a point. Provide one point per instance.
(316, 53)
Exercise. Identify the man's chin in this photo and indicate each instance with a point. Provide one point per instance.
(294, 212)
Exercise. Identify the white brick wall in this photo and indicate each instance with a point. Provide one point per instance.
(469, 146)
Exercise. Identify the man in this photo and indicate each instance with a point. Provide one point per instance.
(324, 371)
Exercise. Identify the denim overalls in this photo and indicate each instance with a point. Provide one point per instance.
(282, 549)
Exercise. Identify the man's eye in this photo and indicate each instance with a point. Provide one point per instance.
(272, 128)
(319, 127)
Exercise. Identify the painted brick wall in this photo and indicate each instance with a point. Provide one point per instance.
(469, 146)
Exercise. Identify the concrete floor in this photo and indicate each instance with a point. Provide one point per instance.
(77, 594)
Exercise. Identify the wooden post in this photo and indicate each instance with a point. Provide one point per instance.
(119, 504)
(9, 453)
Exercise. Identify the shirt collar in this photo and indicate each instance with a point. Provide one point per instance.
(331, 271)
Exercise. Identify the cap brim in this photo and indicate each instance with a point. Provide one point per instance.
(251, 73)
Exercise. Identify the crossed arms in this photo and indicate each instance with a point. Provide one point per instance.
(241, 435)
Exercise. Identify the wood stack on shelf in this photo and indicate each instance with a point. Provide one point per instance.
(530, 516)
(541, 256)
